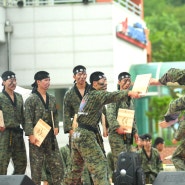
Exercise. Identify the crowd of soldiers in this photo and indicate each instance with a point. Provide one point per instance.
(83, 160)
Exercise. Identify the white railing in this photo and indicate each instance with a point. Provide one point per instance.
(130, 6)
(125, 3)
(10, 3)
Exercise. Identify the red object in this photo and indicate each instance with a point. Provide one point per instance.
(130, 40)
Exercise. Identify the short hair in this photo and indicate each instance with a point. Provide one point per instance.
(78, 69)
(158, 140)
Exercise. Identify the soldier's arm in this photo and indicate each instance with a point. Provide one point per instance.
(67, 123)
(112, 116)
(179, 134)
(174, 109)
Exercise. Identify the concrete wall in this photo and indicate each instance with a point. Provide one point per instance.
(3, 45)
(59, 37)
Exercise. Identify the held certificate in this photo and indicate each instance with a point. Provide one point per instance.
(40, 131)
(1, 119)
(126, 118)
(141, 83)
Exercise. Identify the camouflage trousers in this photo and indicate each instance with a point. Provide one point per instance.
(178, 157)
(45, 153)
(117, 146)
(86, 150)
(12, 146)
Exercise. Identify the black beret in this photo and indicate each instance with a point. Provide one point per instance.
(41, 75)
(123, 75)
(147, 137)
(7, 75)
(96, 76)
(78, 69)
(141, 137)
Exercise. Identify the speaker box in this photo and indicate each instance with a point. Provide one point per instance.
(170, 178)
(15, 180)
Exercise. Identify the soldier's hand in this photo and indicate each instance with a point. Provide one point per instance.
(134, 94)
(56, 130)
(174, 141)
(121, 130)
(71, 132)
(2, 129)
(33, 139)
(165, 124)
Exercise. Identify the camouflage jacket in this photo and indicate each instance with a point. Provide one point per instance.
(35, 110)
(152, 164)
(112, 112)
(175, 108)
(90, 109)
(180, 132)
(173, 75)
(71, 104)
(13, 113)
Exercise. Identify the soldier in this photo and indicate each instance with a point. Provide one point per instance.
(41, 105)
(85, 140)
(150, 159)
(65, 152)
(72, 100)
(120, 140)
(110, 166)
(11, 134)
(171, 117)
(172, 77)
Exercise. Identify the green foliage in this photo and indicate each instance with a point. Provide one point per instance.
(158, 107)
(166, 24)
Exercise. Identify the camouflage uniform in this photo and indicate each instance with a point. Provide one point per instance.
(123, 142)
(85, 146)
(34, 110)
(66, 155)
(151, 165)
(173, 75)
(110, 165)
(72, 101)
(173, 112)
(11, 139)
(46, 174)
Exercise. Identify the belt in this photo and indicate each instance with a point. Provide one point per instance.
(88, 127)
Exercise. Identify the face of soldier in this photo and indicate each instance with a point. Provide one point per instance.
(80, 78)
(124, 83)
(160, 147)
(10, 84)
(147, 144)
(44, 83)
(101, 84)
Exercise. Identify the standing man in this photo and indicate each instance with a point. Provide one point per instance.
(174, 110)
(72, 101)
(73, 98)
(150, 160)
(85, 142)
(41, 105)
(118, 139)
(11, 134)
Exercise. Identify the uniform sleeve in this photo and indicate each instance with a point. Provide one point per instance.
(175, 107)
(29, 117)
(159, 162)
(112, 116)
(67, 112)
(179, 134)
(173, 75)
(55, 114)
